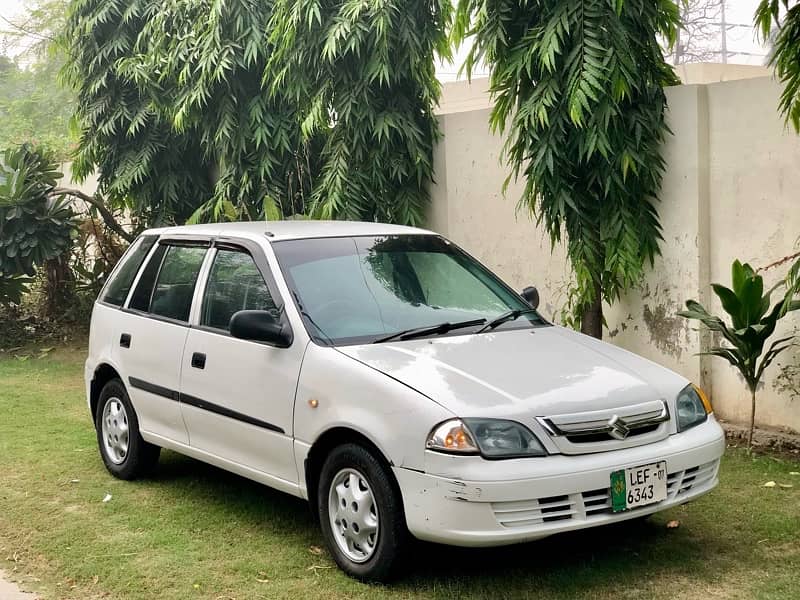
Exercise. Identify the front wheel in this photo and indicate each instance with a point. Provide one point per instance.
(125, 454)
(361, 513)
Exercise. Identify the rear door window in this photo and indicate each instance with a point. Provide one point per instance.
(172, 294)
(116, 291)
(166, 285)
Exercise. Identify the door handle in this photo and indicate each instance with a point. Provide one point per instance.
(125, 340)
(199, 360)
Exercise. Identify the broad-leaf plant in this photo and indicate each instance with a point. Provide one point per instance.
(752, 319)
(35, 225)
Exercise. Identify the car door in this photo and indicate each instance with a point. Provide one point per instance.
(237, 396)
(152, 334)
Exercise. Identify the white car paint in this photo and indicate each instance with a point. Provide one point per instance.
(264, 379)
(393, 394)
(461, 502)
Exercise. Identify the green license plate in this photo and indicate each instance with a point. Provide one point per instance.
(638, 486)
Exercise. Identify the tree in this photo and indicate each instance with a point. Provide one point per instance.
(785, 55)
(578, 90)
(213, 110)
(752, 324)
(173, 112)
(40, 223)
(32, 35)
(33, 106)
(699, 35)
(363, 74)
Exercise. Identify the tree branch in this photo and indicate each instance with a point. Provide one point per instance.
(781, 261)
(108, 218)
(21, 30)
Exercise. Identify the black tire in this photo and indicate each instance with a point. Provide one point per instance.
(141, 457)
(392, 536)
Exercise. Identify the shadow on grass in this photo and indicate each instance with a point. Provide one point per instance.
(232, 493)
(593, 555)
(636, 550)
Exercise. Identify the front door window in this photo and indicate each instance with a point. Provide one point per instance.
(234, 284)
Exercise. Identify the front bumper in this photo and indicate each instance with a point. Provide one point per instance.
(508, 504)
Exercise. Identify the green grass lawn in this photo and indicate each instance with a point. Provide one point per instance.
(193, 531)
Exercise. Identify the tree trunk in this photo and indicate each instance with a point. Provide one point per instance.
(592, 319)
(752, 418)
(57, 279)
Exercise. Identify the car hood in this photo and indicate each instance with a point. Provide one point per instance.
(538, 372)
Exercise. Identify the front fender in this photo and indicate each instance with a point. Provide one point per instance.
(350, 394)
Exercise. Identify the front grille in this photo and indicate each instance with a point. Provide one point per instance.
(606, 437)
(608, 428)
(589, 504)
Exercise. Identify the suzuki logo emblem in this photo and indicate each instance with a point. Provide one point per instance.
(618, 428)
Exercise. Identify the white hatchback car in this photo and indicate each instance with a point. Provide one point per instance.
(386, 376)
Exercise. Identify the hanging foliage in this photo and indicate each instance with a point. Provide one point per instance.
(173, 113)
(780, 20)
(578, 92)
(362, 74)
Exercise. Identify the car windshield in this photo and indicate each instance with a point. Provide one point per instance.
(358, 290)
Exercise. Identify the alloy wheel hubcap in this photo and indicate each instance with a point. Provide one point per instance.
(114, 428)
(353, 515)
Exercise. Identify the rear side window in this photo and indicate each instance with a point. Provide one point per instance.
(234, 284)
(140, 300)
(122, 279)
(167, 283)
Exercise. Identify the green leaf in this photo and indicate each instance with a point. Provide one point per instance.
(738, 276)
(730, 302)
(229, 210)
(270, 209)
(196, 216)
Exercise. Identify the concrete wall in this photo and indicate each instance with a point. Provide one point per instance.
(690, 73)
(87, 187)
(754, 199)
(730, 191)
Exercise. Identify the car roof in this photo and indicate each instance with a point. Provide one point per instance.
(288, 230)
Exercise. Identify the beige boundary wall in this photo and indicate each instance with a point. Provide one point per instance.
(732, 190)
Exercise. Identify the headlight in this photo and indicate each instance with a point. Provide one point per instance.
(692, 406)
(451, 436)
(493, 438)
(497, 438)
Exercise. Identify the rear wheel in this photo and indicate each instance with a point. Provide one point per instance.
(361, 513)
(125, 454)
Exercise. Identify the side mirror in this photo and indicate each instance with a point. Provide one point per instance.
(260, 326)
(531, 295)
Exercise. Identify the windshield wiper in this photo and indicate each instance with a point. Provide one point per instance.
(439, 329)
(511, 315)
(311, 319)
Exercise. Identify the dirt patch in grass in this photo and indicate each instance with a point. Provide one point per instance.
(194, 531)
(772, 441)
